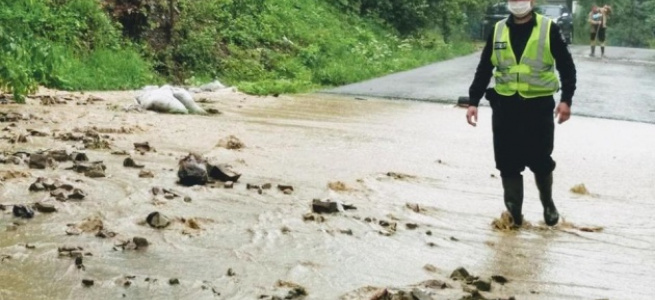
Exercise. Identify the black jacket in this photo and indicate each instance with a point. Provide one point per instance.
(519, 35)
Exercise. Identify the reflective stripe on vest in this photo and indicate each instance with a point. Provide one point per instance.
(535, 75)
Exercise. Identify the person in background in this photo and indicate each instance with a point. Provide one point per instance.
(598, 24)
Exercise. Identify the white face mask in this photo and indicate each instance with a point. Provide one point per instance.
(519, 8)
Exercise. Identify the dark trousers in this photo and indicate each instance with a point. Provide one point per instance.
(523, 133)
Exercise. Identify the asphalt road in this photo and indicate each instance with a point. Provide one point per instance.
(620, 86)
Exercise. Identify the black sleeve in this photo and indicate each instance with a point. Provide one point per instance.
(482, 74)
(563, 63)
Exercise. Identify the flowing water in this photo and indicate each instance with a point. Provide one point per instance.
(605, 248)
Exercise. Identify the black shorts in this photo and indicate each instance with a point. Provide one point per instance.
(601, 35)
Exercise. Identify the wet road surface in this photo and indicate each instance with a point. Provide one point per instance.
(310, 141)
(620, 86)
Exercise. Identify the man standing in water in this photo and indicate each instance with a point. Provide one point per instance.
(524, 50)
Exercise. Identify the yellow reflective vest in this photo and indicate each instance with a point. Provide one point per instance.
(534, 76)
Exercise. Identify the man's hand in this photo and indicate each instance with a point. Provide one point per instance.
(472, 115)
(563, 111)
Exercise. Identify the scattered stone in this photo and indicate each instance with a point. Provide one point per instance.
(321, 207)
(430, 268)
(313, 217)
(170, 194)
(505, 222)
(399, 176)
(454, 239)
(296, 289)
(87, 282)
(59, 155)
(499, 279)
(130, 163)
(103, 234)
(231, 142)
(79, 262)
(187, 199)
(460, 274)
(71, 230)
(223, 173)
(338, 186)
(411, 226)
(213, 111)
(286, 189)
(143, 147)
(79, 157)
(89, 168)
(591, 229)
(157, 220)
(418, 294)
(40, 161)
(346, 231)
(70, 251)
(70, 136)
(140, 242)
(21, 211)
(193, 224)
(77, 194)
(146, 174)
(45, 207)
(120, 152)
(91, 224)
(173, 281)
(30, 246)
(230, 272)
(475, 294)
(228, 185)
(192, 171)
(414, 207)
(96, 142)
(156, 190)
(482, 285)
(267, 186)
(96, 171)
(59, 194)
(391, 226)
(435, 284)
(580, 189)
(348, 206)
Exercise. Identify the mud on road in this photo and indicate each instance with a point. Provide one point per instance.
(412, 189)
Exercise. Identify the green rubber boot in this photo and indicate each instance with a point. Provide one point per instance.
(513, 194)
(545, 186)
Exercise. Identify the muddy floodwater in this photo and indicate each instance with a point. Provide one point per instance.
(422, 181)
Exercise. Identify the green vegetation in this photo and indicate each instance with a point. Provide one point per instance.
(261, 46)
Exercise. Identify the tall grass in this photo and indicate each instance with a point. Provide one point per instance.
(105, 69)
